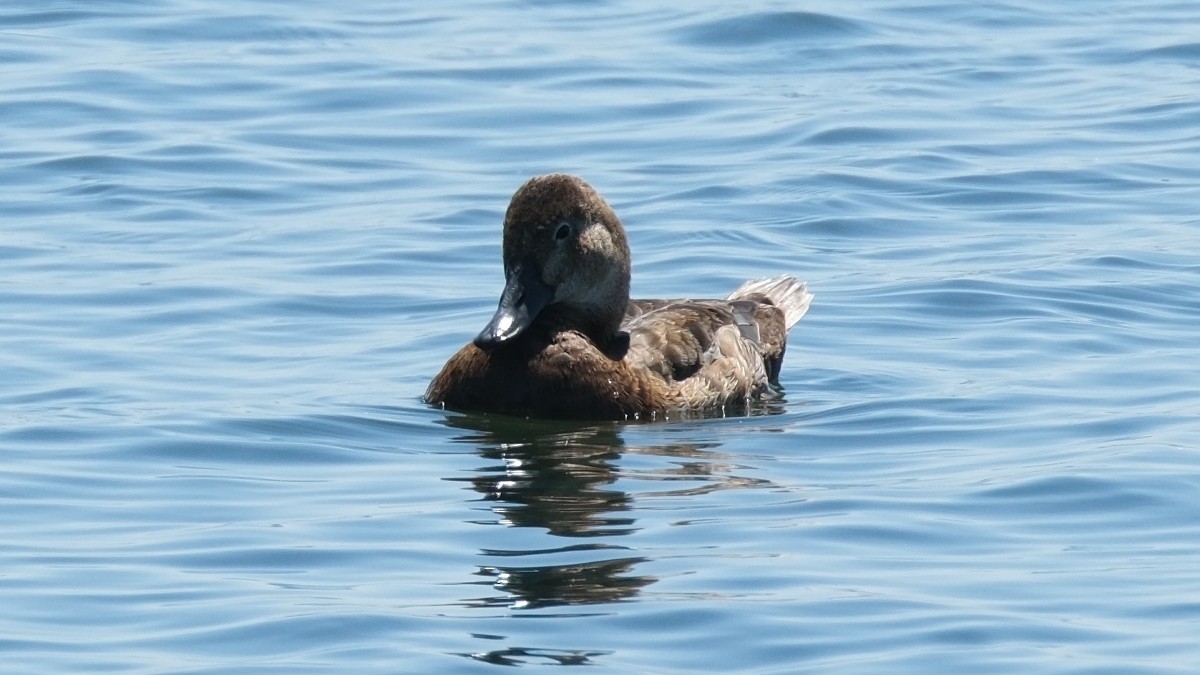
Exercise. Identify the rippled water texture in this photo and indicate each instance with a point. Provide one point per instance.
(239, 238)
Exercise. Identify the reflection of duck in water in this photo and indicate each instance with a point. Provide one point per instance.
(566, 340)
(563, 477)
(559, 477)
(585, 583)
(550, 475)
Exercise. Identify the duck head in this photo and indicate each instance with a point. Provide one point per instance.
(564, 250)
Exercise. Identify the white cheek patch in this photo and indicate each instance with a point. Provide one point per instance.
(504, 323)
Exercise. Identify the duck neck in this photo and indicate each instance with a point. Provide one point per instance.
(603, 329)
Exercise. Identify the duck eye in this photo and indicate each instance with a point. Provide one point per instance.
(562, 232)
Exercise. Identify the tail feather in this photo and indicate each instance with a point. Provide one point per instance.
(786, 292)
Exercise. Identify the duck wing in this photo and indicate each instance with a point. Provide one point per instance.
(708, 352)
(678, 338)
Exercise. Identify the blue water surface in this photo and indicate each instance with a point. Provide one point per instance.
(239, 238)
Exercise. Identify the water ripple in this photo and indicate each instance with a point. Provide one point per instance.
(239, 240)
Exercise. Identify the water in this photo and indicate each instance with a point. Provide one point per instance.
(239, 238)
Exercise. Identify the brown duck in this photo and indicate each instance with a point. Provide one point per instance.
(567, 342)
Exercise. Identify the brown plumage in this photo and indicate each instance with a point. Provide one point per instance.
(566, 340)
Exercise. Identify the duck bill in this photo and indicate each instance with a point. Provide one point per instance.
(524, 297)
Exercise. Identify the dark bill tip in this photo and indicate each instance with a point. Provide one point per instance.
(524, 297)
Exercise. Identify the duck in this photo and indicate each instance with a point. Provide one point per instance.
(567, 342)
